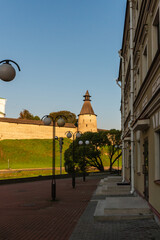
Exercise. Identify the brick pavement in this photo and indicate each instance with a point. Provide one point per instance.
(27, 212)
(88, 229)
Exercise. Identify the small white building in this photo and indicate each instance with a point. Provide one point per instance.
(2, 107)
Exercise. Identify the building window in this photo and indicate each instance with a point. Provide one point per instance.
(138, 80)
(157, 155)
(135, 87)
(86, 125)
(127, 155)
(138, 152)
(156, 34)
(136, 83)
(144, 62)
(137, 9)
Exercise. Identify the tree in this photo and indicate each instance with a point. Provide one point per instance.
(70, 117)
(113, 151)
(88, 154)
(25, 114)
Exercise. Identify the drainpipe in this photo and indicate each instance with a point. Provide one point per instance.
(122, 114)
(131, 95)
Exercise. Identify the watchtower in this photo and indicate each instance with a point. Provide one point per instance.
(87, 119)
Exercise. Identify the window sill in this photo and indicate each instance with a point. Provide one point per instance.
(157, 182)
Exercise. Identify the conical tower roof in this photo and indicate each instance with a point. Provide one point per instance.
(87, 108)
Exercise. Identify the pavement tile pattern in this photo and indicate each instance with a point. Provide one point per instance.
(27, 212)
(88, 229)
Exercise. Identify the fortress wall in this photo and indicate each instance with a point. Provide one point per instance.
(10, 130)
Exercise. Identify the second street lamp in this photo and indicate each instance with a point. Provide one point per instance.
(60, 146)
(47, 119)
(118, 147)
(69, 134)
(86, 142)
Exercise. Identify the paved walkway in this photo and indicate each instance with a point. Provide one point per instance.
(113, 227)
(88, 229)
(27, 213)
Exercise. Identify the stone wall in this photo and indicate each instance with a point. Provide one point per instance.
(28, 129)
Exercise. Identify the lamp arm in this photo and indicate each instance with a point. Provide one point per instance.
(8, 60)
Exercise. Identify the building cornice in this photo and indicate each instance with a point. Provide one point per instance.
(125, 30)
(152, 106)
(140, 23)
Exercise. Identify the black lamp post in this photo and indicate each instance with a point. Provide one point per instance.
(7, 72)
(47, 119)
(118, 147)
(69, 134)
(86, 142)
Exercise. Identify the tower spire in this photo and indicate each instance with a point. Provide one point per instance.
(87, 108)
(86, 96)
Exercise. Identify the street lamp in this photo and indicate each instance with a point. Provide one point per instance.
(69, 134)
(86, 142)
(47, 119)
(7, 72)
(118, 147)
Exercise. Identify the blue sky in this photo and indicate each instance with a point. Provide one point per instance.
(64, 47)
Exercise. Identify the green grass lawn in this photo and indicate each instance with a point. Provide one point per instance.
(34, 153)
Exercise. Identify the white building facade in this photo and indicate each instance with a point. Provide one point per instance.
(139, 74)
(2, 107)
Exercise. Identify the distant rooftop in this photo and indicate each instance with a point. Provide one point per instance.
(87, 108)
(27, 121)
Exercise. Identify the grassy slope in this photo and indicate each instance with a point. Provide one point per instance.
(34, 153)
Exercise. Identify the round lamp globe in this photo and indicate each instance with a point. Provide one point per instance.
(7, 72)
